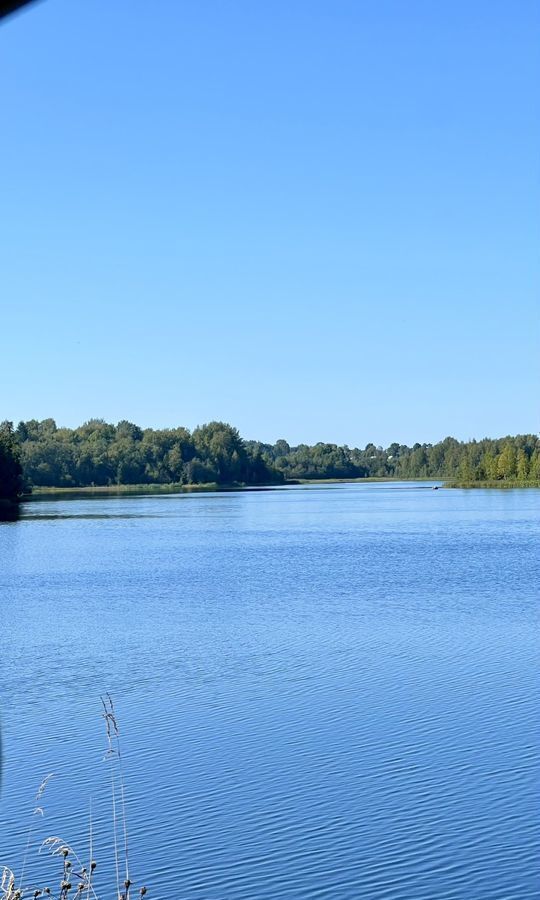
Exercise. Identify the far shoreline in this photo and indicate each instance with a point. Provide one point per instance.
(110, 490)
(42, 492)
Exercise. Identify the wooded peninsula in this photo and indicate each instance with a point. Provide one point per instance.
(40, 454)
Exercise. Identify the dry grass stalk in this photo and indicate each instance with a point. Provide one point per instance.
(76, 878)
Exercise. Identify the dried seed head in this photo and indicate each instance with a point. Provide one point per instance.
(127, 883)
(65, 852)
(93, 865)
(142, 891)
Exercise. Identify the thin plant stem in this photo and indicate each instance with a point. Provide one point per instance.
(127, 881)
(90, 852)
(37, 810)
(110, 754)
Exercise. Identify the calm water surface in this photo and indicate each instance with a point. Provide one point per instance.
(324, 692)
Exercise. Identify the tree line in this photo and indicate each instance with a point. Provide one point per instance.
(39, 453)
(508, 459)
(99, 453)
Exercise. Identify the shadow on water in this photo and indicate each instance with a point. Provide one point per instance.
(50, 517)
(9, 511)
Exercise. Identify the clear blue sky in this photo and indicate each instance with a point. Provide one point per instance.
(315, 219)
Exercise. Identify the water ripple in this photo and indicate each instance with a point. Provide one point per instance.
(323, 693)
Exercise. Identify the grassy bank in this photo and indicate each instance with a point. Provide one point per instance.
(115, 490)
(122, 489)
(503, 484)
(175, 488)
(362, 480)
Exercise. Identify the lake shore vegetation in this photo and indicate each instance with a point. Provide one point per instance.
(126, 457)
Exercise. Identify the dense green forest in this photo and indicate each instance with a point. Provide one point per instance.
(509, 459)
(98, 453)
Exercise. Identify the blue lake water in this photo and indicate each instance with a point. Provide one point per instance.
(323, 692)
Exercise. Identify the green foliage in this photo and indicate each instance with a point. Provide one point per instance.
(100, 454)
(508, 460)
(11, 483)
